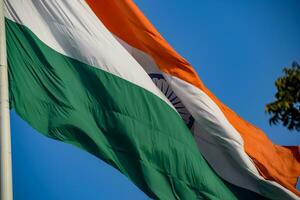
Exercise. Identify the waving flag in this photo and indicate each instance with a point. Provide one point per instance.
(96, 74)
(239, 152)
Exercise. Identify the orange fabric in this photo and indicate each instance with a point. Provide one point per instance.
(125, 20)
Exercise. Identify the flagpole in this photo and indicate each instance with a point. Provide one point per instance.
(5, 143)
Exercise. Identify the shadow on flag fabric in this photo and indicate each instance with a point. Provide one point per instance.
(96, 74)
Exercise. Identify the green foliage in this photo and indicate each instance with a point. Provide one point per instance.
(286, 108)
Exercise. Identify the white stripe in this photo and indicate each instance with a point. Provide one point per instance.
(219, 142)
(72, 29)
(142, 58)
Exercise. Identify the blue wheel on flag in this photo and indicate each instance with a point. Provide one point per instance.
(163, 85)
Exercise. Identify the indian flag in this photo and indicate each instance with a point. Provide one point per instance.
(98, 75)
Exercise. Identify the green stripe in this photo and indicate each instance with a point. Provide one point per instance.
(117, 121)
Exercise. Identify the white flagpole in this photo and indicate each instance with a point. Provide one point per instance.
(5, 143)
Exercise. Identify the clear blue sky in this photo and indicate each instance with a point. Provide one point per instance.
(237, 47)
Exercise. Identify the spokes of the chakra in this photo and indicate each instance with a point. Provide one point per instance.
(162, 84)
